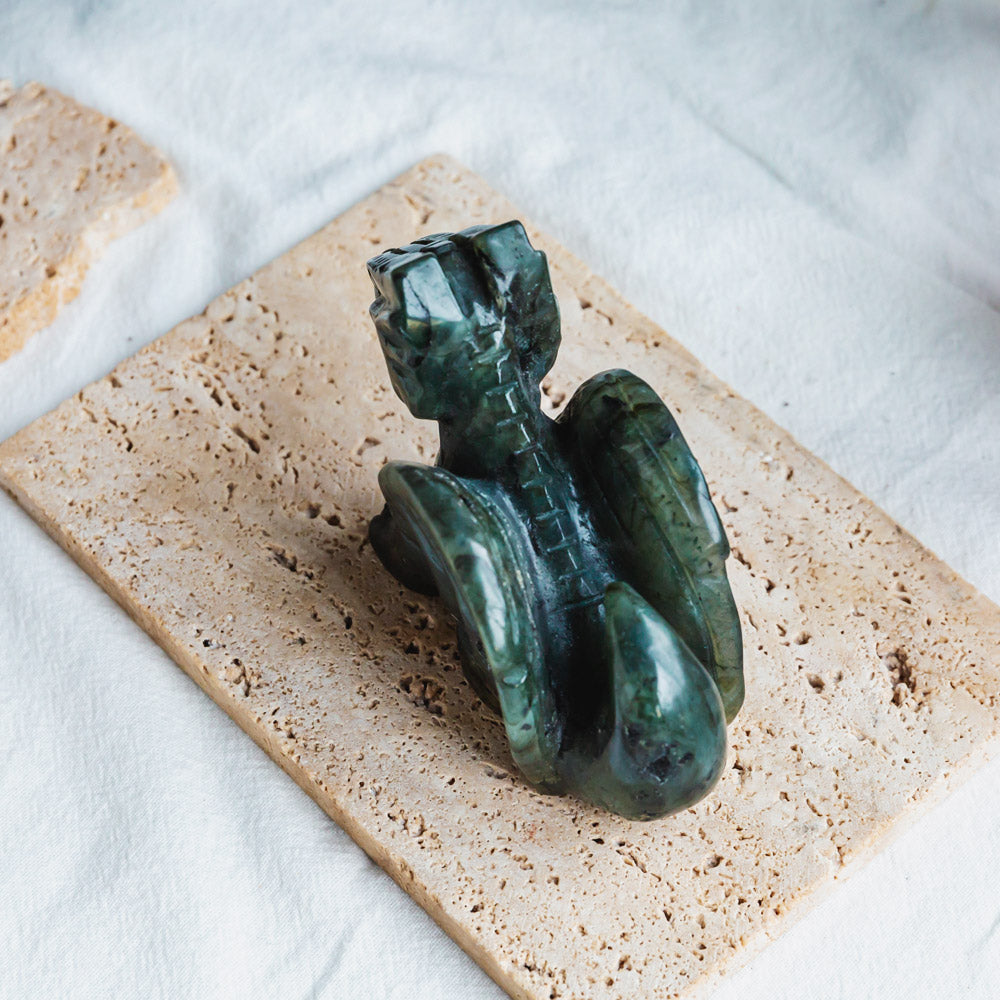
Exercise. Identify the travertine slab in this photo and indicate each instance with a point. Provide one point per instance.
(219, 483)
(71, 180)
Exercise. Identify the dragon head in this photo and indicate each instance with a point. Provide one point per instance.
(451, 304)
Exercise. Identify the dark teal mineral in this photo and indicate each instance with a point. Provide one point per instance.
(582, 557)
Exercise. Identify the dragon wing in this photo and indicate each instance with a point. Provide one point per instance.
(658, 510)
(476, 561)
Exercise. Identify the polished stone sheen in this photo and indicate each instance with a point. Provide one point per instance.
(582, 557)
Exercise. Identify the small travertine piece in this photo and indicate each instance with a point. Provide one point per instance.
(219, 485)
(71, 180)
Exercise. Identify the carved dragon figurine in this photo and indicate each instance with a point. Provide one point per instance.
(582, 557)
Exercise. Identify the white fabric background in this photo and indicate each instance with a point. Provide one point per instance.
(806, 195)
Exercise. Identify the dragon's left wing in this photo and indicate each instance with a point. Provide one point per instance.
(472, 551)
(643, 476)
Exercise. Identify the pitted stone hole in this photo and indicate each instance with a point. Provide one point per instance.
(365, 444)
(424, 692)
(897, 662)
(802, 638)
(252, 443)
(554, 395)
(283, 558)
(816, 682)
(289, 560)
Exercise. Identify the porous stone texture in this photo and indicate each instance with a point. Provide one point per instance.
(219, 484)
(71, 180)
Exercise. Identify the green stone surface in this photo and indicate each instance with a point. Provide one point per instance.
(582, 557)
